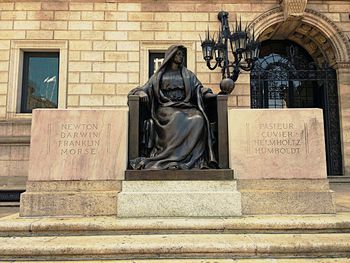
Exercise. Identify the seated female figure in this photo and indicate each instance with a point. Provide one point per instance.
(181, 137)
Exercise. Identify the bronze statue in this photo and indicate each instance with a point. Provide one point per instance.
(178, 134)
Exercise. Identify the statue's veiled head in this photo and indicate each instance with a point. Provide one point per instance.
(175, 53)
(178, 57)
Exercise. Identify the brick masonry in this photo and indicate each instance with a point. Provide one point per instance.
(104, 38)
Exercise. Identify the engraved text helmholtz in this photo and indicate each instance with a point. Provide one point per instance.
(282, 138)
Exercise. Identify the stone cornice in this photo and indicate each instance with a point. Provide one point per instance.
(340, 40)
(340, 33)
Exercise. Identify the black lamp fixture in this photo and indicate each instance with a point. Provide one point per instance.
(243, 46)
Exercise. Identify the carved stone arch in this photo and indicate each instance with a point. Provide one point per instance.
(339, 40)
(266, 20)
(315, 32)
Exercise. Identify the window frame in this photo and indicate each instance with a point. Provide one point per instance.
(18, 47)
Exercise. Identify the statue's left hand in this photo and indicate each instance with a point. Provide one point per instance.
(143, 97)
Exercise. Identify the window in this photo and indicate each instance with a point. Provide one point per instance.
(155, 60)
(37, 77)
(40, 81)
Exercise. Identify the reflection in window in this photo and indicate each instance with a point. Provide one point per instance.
(155, 60)
(157, 63)
(40, 81)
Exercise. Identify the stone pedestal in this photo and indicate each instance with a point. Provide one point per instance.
(279, 161)
(70, 198)
(179, 199)
(77, 160)
(288, 196)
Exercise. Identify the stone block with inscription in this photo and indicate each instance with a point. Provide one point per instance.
(279, 144)
(83, 149)
(78, 145)
(272, 150)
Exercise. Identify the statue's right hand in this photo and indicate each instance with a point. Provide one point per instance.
(143, 97)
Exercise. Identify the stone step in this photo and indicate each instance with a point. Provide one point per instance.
(184, 246)
(200, 198)
(205, 260)
(9, 204)
(13, 225)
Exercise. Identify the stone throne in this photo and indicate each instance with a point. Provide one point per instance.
(180, 193)
(216, 109)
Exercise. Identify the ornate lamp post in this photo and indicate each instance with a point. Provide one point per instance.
(243, 46)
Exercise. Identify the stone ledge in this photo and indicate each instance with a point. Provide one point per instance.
(286, 196)
(178, 186)
(278, 202)
(14, 225)
(283, 184)
(15, 140)
(219, 260)
(176, 175)
(70, 198)
(13, 182)
(339, 179)
(87, 203)
(53, 186)
(175, 246)
(15, 132)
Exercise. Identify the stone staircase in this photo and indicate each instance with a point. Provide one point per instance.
(316, 238)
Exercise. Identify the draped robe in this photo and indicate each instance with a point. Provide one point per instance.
(181, 136)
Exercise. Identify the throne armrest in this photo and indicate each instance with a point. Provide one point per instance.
(222, 131)
(134, 126)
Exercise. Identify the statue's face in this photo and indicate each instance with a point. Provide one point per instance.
(179, 57)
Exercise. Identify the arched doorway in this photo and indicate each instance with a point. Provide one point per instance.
(287, 76)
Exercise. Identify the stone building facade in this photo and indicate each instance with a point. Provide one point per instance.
(103, 48)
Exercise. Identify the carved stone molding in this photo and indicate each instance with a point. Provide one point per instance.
(341, 37)
(293, 9)
(265, 17)
(267, 23)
